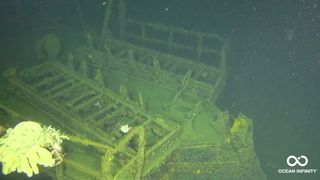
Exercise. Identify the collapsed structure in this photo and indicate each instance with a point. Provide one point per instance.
(141, 105)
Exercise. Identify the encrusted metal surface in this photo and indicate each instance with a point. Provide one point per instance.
(94, 116)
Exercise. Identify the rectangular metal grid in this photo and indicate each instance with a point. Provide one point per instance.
(88, 111)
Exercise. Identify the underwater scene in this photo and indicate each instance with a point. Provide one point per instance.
(159, 90)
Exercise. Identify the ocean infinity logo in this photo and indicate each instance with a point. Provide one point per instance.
(300, 162)
(293, 160)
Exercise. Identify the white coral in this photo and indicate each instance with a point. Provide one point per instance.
(28, 145)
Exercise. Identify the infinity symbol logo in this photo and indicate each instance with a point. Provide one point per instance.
(297, 161)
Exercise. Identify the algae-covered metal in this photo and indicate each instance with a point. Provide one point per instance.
(141, 105)
(93, 117)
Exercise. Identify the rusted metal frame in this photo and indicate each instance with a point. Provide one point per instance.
(99, 134)
(82, 95)
(66, 90)
(87, 103)
(48, 81)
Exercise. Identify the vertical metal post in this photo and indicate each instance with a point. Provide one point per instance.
(122, 18)
(82, 23)
(200, 41)
(105, 25)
